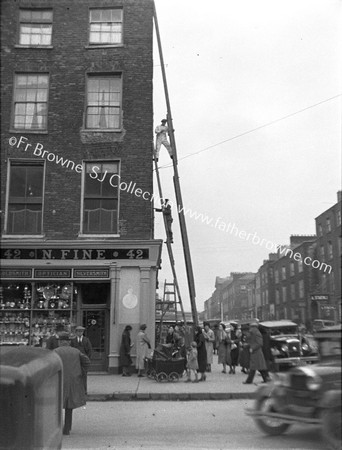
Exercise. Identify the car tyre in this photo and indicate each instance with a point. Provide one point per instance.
(331, 427)
(273, 427)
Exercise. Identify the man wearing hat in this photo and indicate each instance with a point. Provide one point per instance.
(257, 360)
(161, 132)
(75, 364)
(81, 342)
(83, 345)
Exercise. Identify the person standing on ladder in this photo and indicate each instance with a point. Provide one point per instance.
(166, 210)
(161, 138)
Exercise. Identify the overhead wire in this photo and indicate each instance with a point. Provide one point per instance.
(252, 130)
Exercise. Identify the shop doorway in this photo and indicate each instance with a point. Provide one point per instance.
(94, 301)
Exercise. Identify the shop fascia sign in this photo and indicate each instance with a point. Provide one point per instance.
(74, 254)
(320, 297)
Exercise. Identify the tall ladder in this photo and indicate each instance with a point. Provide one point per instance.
(182, 223)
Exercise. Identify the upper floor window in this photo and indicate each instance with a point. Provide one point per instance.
(105, 26)
(35, 27)
(276, 275)
(104, 102)
(30, 101)
(330, 250)
(301, 288)
(300, 265)
(100, 198)
(293, 291)
(320, 230)
(283, 272)
(338, 217)
(292, 269)
(328, 224)
(25, 198)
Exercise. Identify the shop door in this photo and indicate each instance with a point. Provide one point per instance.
(95, 322)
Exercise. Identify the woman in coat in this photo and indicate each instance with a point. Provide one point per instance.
(125, 359)
(257, 360)
(143, 345)
(209, 337)
(75, 364)
(223, 340)
(201, 353)
(235, 336)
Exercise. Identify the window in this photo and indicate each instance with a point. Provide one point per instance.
(276, 276)
(283, 272)
(284, 293)
(328, 224)
(330, 250)
(300, 265)
(293, 291)
(292, 269)
(320, 230)
(277, 297)
(322, 252)
(338, 217)
(100, 207)
(104, 102)
(30, 101)
(25, 200)
(35, 27)
(105, 26)
(301, 288)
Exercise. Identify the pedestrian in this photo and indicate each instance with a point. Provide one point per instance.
(266, 349)
(52, 341)
(235, 336)
(223, 347)
(201, 353)
(192, 362)
(161, 139)
(257, 360)
(143, 345)
(125, 351)
(209, 337)
(75, 363)
(83, 344)
(244, 354)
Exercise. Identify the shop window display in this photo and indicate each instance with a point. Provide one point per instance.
(30, 312)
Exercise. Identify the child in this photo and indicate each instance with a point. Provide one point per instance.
(192, 364)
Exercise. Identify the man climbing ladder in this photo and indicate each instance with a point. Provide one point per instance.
(161, 132)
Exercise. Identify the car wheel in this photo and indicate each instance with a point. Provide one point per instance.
(331, 428)
(269, 425)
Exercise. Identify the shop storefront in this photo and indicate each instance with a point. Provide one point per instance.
(100, 286)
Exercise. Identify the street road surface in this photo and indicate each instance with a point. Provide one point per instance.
(179, 425)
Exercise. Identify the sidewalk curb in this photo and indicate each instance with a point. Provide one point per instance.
(156, 396)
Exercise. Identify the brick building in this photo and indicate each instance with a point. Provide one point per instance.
(76, 156)
(235, 296)
(326, 296)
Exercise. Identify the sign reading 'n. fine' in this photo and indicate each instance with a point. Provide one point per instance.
(74, 254)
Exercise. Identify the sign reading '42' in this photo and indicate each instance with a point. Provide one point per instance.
(74, 254)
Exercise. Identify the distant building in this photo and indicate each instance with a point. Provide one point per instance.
(235, 297)
(326, 296)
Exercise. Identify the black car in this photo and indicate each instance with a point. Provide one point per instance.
(288, 346)
(307, 394)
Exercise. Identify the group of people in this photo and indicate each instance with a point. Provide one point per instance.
(75, 353)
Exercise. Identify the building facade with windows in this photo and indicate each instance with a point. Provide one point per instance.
(326, 297)
(77, 238)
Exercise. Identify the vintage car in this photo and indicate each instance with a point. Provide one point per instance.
(289, 347)
(306, 394)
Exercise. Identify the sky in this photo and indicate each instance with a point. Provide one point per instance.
(255, 94)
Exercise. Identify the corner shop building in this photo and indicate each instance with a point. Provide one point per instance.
(101, 285)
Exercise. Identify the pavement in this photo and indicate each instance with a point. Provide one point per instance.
(218, 386)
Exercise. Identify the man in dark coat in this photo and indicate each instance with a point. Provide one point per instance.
(125, 350)
(52, 341)
(75, 363)
(201, 353)
(83, 344)
(257, 360)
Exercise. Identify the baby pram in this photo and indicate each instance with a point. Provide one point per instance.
(166, 364)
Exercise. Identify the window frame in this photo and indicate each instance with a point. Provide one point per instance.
(23, 162)
(83, 233)
(32, 21)
(15, 129)
(104, 44)
(99, 76)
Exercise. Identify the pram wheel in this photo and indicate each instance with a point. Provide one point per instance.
(161, 376)
(174, 376)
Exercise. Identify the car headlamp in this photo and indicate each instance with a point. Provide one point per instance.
(313, 381)
(285, 348)
(305, 347)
